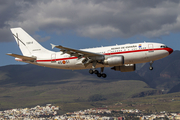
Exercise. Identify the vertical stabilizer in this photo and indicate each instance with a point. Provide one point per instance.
(26, 43)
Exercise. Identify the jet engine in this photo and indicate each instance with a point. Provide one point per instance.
(114, 60)
(125, 68)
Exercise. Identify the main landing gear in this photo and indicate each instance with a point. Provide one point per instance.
(91, 71)
(151, 68)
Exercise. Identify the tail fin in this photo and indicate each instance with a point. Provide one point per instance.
(26, 43)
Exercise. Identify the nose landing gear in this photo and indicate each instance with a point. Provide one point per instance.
(151, 68)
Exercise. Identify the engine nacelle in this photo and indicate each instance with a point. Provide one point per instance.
(114, 60)
(125, 68)
(98, 58)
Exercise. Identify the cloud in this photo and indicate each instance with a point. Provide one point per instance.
(92, 18)
(10, 11)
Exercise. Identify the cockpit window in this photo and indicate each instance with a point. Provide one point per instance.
(164, 46)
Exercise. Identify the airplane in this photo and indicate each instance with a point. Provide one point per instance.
(119, 57)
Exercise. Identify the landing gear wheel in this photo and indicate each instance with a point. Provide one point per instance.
(96, 71)
(151, 68)
(99, 74)
(91, 71)
(104, 75)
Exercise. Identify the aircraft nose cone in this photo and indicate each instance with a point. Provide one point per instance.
(170, 50)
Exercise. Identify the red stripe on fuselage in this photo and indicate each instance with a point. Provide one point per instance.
(57, 59)
(123, 52)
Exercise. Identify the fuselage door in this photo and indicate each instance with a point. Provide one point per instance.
(53, 58)
(150, 48)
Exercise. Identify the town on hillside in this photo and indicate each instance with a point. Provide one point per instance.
(50, 112)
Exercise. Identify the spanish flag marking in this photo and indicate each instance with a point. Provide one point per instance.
(64, 62)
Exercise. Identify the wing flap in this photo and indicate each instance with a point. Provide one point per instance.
(24, 58)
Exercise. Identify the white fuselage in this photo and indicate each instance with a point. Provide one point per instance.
(133, 54)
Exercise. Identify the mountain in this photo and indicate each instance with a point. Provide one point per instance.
(176, 88)
(34, 75)
(29, 85)
(165, 74)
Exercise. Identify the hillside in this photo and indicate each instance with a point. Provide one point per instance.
(165, 74)
(151, 104)
(29, 85)
(36, 75)
(76, 92)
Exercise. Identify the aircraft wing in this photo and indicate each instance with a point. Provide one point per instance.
(75, 52)
(25, 58)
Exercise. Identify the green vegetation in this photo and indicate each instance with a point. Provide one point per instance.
(96, 97)
(74, 94)
(70, 94)
(79, 94)
(155, 103)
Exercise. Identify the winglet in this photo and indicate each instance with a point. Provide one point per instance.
(9, 54)
(53, 46)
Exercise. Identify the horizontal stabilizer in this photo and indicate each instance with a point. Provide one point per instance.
(24, 58)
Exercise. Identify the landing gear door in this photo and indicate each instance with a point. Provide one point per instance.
(150, 48)
(53, 58)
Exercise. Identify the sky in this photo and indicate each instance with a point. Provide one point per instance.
(89, 23)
